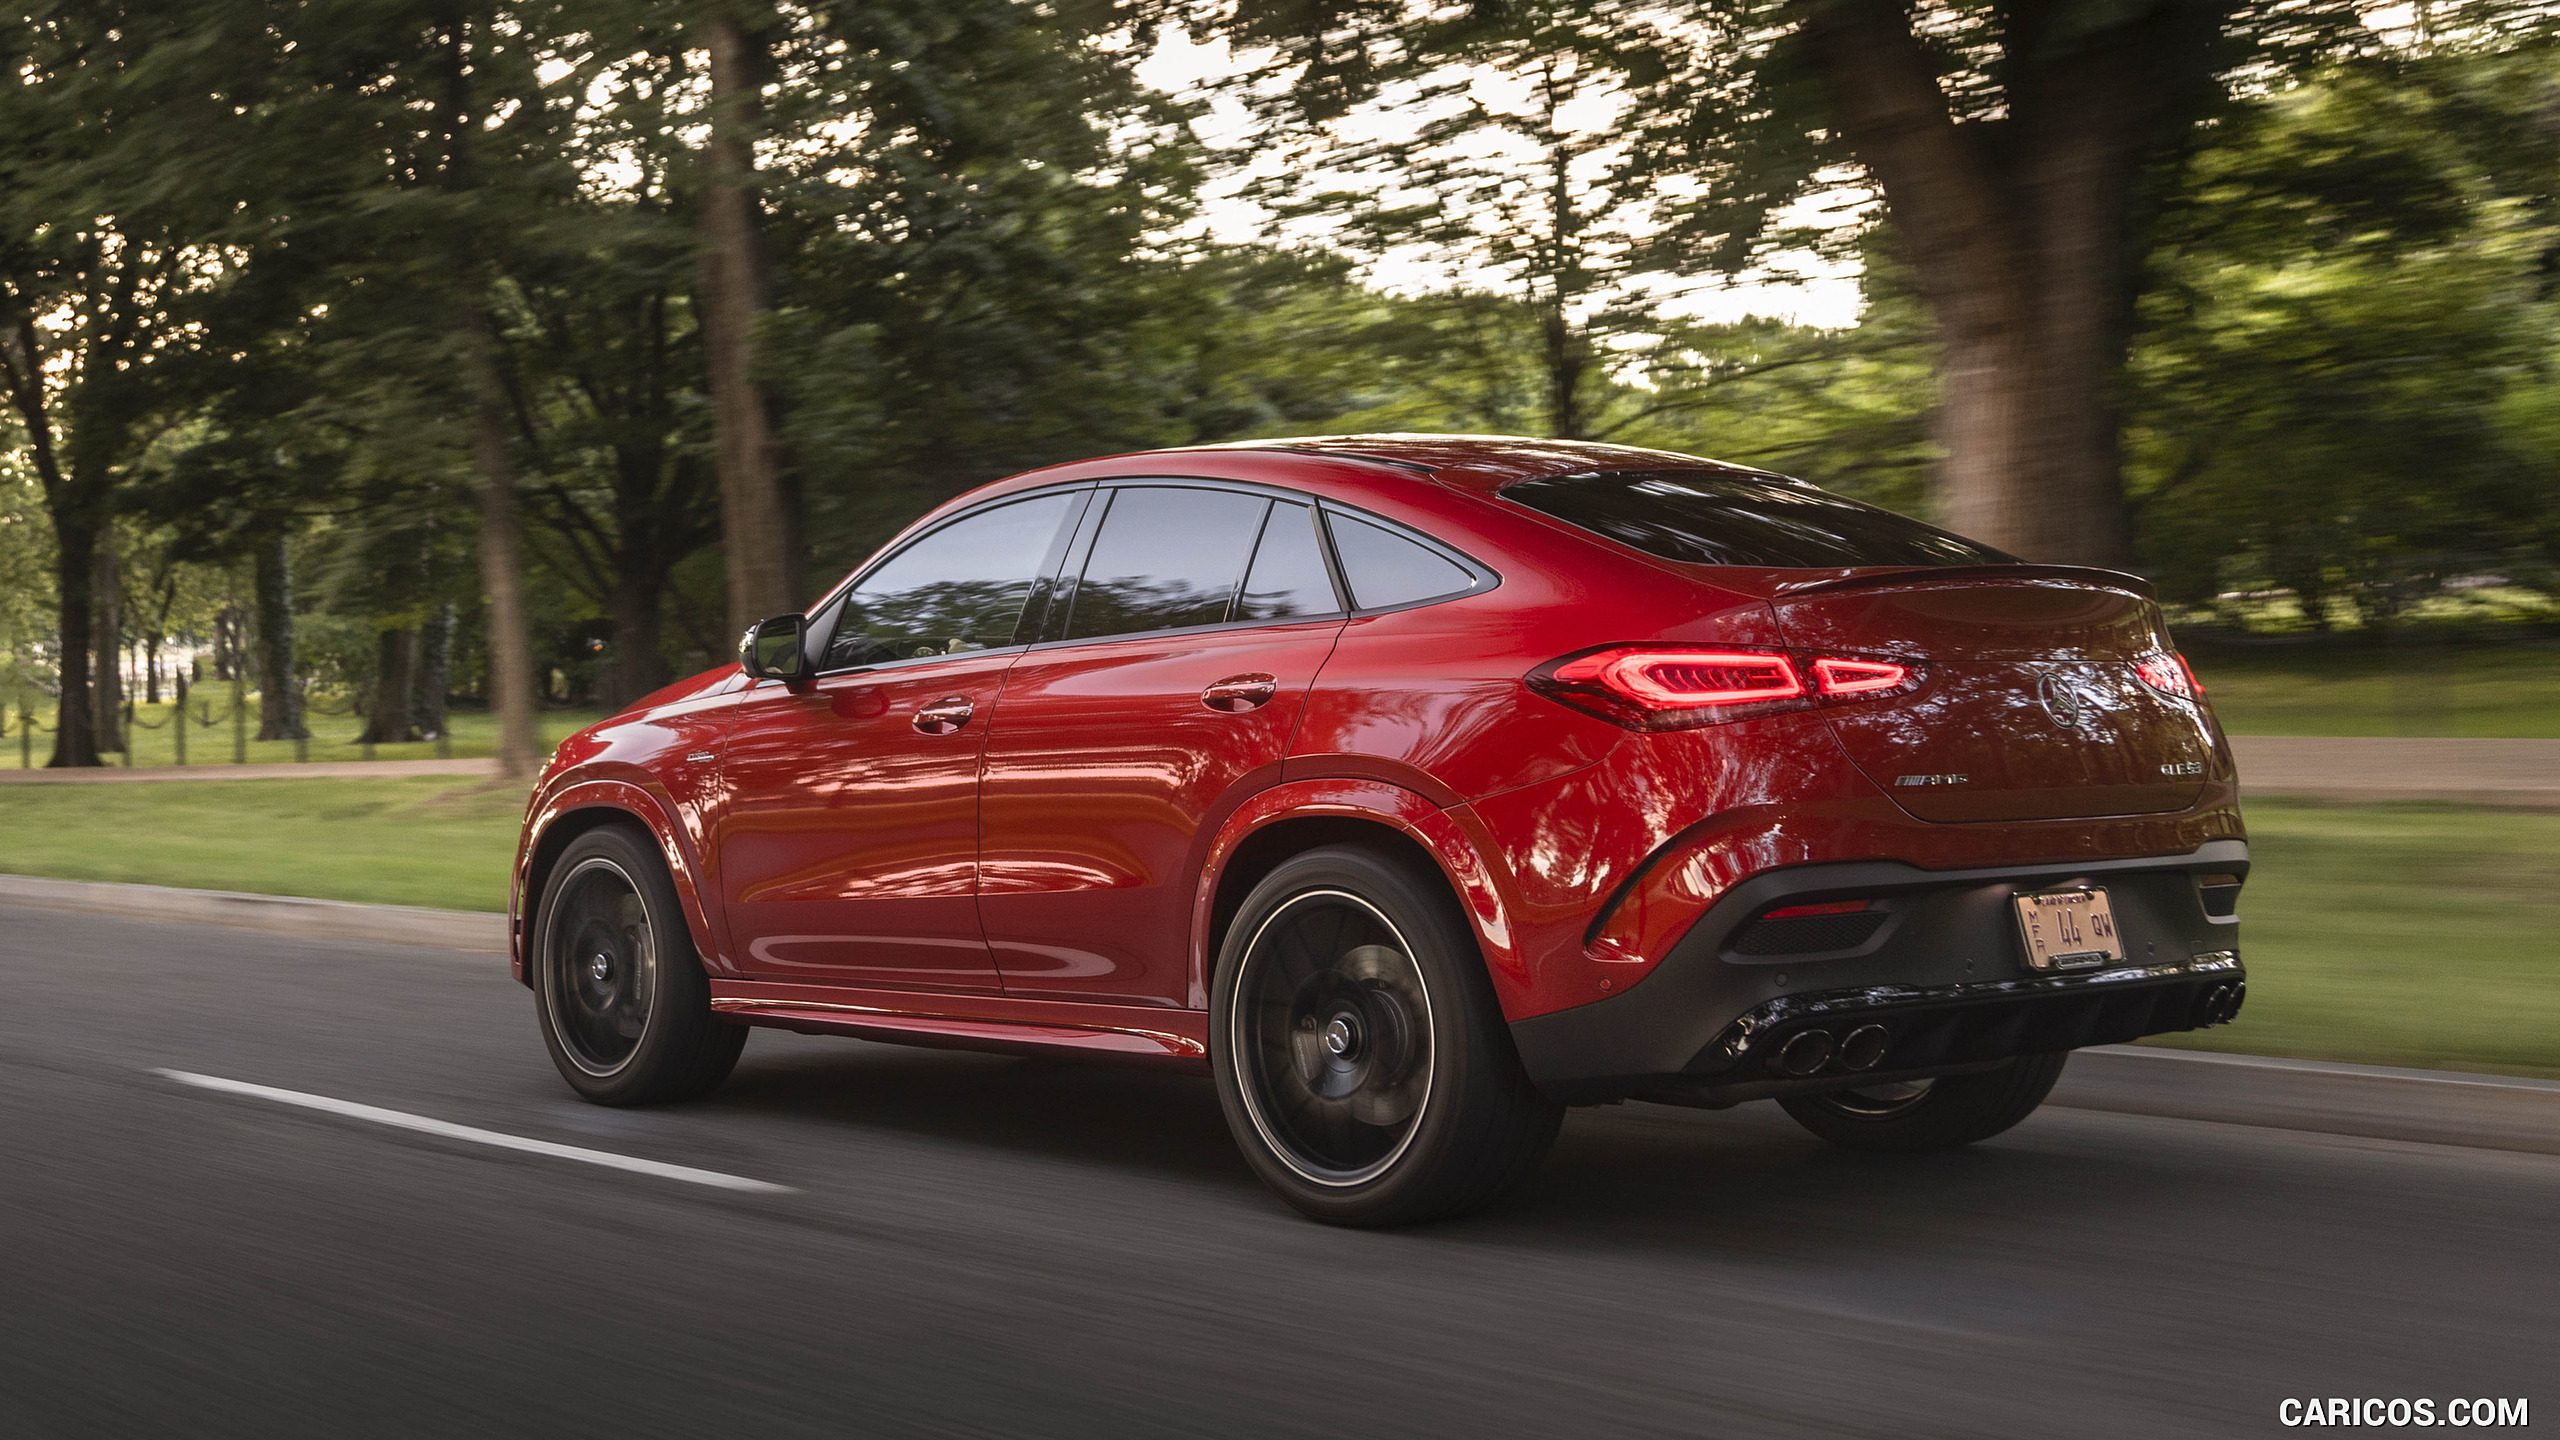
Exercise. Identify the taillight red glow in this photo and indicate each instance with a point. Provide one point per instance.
(1828, 907)
(1677, 687)
(2169, 675)
(1858, 677)
(1687, 679)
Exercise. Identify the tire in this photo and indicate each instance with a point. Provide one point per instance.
(1938, 1114)
(1362, 1062)
(617, 985)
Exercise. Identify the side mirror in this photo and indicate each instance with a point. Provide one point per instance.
(777, 649)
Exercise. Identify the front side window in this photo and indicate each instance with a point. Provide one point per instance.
(1165, 557)
(1707, 517)
(958, 589)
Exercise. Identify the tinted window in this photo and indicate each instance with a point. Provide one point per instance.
(1165, 557)
(1288, 578)
(960, 588)
(1711, 518)
(1385, 568)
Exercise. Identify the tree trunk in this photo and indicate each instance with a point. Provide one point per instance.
(280, 691)
(151, 668)
(106, 643)
(2020, 230)
(394, 676)
(75, 735)
(760, 543)
(501, 544)
(638, 630)
(435, 673)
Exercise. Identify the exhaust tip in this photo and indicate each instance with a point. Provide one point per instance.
(1863, 1047)
(1805, 1052)
(2214, 1006)
(2235, 994)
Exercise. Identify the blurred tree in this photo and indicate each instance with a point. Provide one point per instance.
(2010, 145)
(2348, 343)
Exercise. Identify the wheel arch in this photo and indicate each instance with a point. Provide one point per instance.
(1292, 819)
(589, 806)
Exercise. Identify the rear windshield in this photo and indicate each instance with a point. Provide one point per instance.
(1708, 517)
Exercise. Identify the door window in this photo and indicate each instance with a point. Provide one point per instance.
(1165, 557)
(958, 589)
(1288, 580)
(1386, 569)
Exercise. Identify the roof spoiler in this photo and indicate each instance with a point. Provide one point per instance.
(1867, 579)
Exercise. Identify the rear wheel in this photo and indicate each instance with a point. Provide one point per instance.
(617, 985)
(1360, 1057)
(1934, 1114)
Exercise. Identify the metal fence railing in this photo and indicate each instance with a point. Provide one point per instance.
(194, 712)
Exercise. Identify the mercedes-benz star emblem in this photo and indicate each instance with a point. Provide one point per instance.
(2061, 700)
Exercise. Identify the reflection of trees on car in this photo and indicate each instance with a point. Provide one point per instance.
(946, 617)
(1130, 603)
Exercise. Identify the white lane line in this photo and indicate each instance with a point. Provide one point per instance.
(451, 1131)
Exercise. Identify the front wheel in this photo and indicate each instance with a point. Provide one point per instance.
(619, 990)
(1360, 1057)
(1935, 1114)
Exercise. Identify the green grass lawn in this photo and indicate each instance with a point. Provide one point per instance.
(399, 840)
(333, 737)
(2394, 934)
(2348, 688)
(2400, 935)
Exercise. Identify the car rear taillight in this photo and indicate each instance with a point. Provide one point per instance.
(1677, 687)
(2170, 675)
(1858, 677)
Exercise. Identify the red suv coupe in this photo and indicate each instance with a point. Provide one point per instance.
(1415, 788)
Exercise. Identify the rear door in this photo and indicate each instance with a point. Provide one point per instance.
(1189, 623)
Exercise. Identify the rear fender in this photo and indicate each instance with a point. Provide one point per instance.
(1453, 838)
(637, 800)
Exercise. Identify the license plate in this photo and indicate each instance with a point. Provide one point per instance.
(2069, 930)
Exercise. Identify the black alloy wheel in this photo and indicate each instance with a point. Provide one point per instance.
(1333, 1022)
(1360, 1056)
(618, 987)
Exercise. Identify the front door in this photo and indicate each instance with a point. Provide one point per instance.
(1170, 694)
(848, 850)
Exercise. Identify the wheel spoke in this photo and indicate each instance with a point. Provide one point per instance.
(1333, 1040)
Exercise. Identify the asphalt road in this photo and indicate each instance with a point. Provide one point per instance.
(985, 1246)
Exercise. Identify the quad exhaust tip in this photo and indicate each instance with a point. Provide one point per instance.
(1863, 1047)
(2221, 1004)
(1805, 1052)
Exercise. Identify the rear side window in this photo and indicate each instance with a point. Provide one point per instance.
(1385, 569)
(1708, 517)
(1288, 580)
(1166, 557)
(958, 589)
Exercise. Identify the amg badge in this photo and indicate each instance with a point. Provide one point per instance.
(2184, 767)
(1930, 779)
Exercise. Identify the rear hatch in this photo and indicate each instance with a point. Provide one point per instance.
(2028, 706)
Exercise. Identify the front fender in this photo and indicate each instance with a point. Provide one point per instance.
(642, 798)
(1454, 839)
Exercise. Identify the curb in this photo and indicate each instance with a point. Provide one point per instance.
(2432, 1107)
(471, 931)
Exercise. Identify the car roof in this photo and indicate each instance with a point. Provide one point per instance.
(1483, 463)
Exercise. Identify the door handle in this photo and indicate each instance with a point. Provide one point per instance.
(1238, 693)
(945, 716)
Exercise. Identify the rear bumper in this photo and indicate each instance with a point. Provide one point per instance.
(1942, 977)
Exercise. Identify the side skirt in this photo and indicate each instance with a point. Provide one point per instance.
(1164, 1039)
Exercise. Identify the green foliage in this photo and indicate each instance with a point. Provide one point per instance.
(2343, 379)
